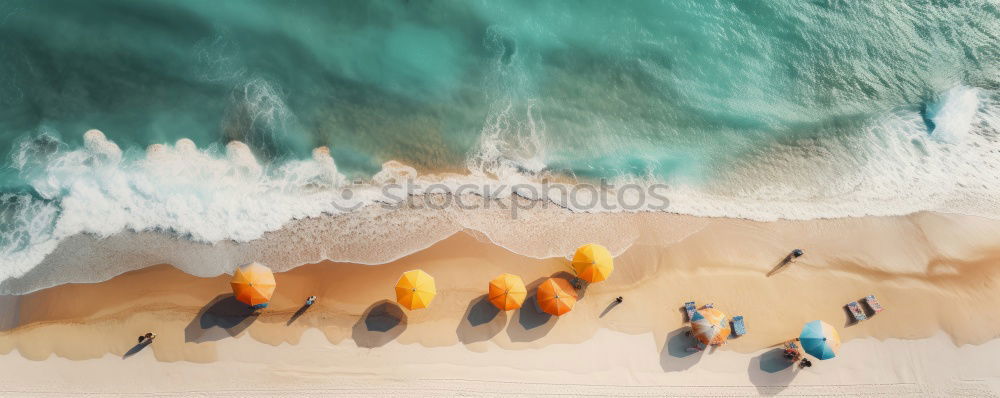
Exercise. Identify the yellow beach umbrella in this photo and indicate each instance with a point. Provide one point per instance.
(253, 284)
(593, 263)
(556, 296)
(507, 292)
(415, 289)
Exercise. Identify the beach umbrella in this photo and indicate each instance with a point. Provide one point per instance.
(507, 292)
(415, 289)
(710, 326)
(593, 263)
(820, 340)
(556, 296)
(253, 284)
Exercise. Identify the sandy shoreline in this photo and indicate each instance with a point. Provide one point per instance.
(935, 273)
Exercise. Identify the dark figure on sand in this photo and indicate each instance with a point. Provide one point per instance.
(310, 301)
(790, 258)
(148, 337)
(619, 300)
(795, 254)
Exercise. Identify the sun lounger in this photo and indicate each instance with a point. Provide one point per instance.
(689, 307)
(739, 328)
(856, 310)
(873, 303)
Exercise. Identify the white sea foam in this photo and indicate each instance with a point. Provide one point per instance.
(511, 140)
(200, 194)
(893, 166)
(232, 209)
(953, 114)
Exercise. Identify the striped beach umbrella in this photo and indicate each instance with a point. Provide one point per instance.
(820, 340)
(710, 326)
(593, 263)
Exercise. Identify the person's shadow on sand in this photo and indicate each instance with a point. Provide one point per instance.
(781, 266)
(297, 314)
(771, 372)
(481, 322)
(381, 323)
(611, 306)
(223, 317)
(136, 348)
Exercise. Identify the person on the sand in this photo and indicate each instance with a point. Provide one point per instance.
(148, 338)
(310, 301)
(795, 255)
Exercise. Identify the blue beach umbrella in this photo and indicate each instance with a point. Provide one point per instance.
(820, 340)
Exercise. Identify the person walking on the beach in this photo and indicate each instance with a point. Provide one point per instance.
(148, 338)
(619, 299)
(310, 301)
(795, 255)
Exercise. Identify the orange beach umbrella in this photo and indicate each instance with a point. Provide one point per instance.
(253, 284)
(556, 296)
(415, 289)
(507, 292)
(710, 326)
(593, 263)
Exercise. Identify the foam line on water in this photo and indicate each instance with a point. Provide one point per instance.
(213, 195)
(952, 115)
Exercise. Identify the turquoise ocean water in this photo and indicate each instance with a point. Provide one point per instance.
(777, 109)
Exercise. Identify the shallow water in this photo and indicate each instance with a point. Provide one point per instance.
(784, 109)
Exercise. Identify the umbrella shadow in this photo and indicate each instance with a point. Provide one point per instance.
(297, 314)
(532, 323)
(136, 348)
(770, 372)
(222, 317)
(381, 323)
(677, 354)
(481, 322)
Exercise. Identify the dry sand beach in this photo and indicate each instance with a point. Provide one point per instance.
(934, 273)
